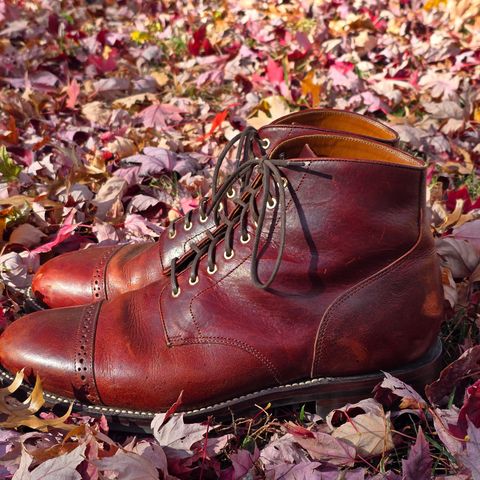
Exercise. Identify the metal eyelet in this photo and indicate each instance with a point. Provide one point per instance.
(211, 272)
(226, 257)
(203, 219)
(273, 204)
(266, 143)
(245, 240)
(177, 293)
(194, 282)
(188, 227)
(220, 207)
(231, 193)
(172, 234)
(285, 182)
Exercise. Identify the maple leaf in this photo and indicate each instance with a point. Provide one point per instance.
(418, 465)
(73, 91)
(199, 44)
(409, 397)
(63, 233)
(327, 448)
(158, 115)
(175, 436)
(441, 85)
(369, 432)
(61, 467)
(310, 87)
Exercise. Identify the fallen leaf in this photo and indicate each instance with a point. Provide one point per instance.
(176, 436)
(418, 464)
(62, 467)
(73, 91)
(270, 109)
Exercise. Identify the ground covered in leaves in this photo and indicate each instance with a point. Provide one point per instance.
(111, 118)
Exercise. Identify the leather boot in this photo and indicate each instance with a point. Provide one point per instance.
(104, 272)
(326, 276)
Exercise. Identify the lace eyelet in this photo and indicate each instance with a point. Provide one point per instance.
(172, 234)
(220, 207)
(188, 227)
(203, 219)
(194, 282)
(266, 143)
(245, 240)
(177, 293)
(226, 257)
(231, 193)
(211, 272)
(272, 205)
(285, 182)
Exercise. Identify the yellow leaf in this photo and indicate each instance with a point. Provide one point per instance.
(106, 52)
(140, 37)
(268, 110)
(476, 115)
(161, 78)
(310, 87)
(23, 414)
(431, 4)
(128, 102)
(369, 433)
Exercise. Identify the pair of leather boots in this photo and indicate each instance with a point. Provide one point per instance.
(309, 270)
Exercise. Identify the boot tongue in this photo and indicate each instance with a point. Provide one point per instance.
(307, 152)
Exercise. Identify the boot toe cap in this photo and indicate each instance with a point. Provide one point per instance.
(69, 279)
(42, 343)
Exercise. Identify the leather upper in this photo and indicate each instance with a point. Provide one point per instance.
(358, 290)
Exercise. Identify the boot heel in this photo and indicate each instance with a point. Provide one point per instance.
(353, 389)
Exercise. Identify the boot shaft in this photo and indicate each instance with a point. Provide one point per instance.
(358, 272)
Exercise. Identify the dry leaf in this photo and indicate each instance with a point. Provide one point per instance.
(96, 112)
(122, 147)
(369, 433)
(130, 101)
(270, 109)
(26, 235)
(23, 414)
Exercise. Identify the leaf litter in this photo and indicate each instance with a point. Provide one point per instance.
(111, 117)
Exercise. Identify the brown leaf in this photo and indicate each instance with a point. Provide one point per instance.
(130, 101)
(26, 235)
(96, 112)
(122, 147)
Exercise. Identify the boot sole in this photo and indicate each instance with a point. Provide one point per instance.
(327, 392)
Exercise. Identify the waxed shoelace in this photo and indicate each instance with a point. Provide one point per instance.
(268, 172)
(246, 140)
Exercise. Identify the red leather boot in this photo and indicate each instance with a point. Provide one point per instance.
(326, 275)
(104, 272)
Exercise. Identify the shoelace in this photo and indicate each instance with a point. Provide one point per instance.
(246, 140)
(268, 172)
